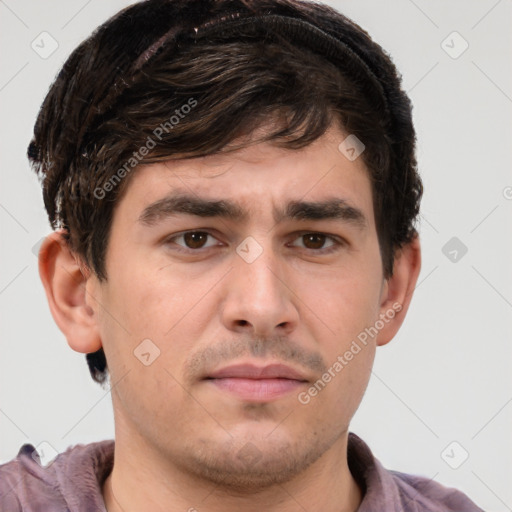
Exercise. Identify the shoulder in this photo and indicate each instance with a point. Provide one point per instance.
(392, 490)
(26, 484)
(429, 495)
(21, 479)
(10, 479)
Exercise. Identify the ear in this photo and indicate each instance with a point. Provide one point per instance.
(64, 279)
(397, 291)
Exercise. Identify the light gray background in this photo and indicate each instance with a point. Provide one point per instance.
(446, 375)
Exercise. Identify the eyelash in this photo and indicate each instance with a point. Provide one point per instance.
(337, 242)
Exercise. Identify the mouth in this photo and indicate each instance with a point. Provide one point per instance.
(257, 383)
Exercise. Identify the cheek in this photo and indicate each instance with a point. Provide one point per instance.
(348, 305)
(132, 322)
(354, 377)
(345, 302)
(333, 399)
(161, 304)
(148, 302)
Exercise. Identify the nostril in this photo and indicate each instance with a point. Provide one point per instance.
(243, 322)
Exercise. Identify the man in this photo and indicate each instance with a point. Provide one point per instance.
(233, 189)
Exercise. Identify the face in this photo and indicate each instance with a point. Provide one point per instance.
(227, 326)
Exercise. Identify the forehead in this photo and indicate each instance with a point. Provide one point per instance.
(258, 179)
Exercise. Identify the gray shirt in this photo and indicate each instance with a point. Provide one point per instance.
(73, 481)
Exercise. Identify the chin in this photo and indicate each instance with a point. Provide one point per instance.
(246, 465)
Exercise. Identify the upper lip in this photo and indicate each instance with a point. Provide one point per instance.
(251, 371)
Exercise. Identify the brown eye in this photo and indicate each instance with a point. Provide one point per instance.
(314, 240)
(319, 243)
(192, 241)
(195, 239)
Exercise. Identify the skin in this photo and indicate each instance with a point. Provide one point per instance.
(191, 443)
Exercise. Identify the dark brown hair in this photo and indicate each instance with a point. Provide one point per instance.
(174, 78)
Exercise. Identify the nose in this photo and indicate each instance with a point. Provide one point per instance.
(259, 297)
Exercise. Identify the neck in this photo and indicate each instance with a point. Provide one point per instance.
(142, 480)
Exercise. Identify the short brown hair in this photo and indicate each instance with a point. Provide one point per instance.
(118, 92)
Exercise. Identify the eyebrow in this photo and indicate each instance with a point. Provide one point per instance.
(182, 203)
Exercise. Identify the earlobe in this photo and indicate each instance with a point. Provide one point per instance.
(398, 290)
(65, 285)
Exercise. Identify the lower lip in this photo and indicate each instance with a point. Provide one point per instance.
(257, 390)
